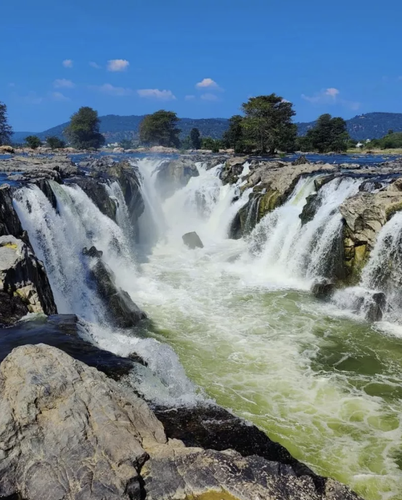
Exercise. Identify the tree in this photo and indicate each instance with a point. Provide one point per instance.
(195, 138)
(83, 131)
(55, 143)
(5, 130)
(126, 143)
(33, 142)
(212, 144)
(329, 134)
(160, 129)
(268, 123)
(233, 137)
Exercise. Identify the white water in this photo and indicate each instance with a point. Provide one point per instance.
(238, 317)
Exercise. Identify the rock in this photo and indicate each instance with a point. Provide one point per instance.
(6, 150)
(323, 289)
(122, 311)
(97, 192)
(92, 252)
(313, 203)
(374, 306)
(69, 432)
(23, 278)
(64, 332)
(192, 240)
(213, 475)
(55, 167)
(175, 174)
(301, 160)
(9, 221)
(364, 216)
(370, 185)
(46, 188)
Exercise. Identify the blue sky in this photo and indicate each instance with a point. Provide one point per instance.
(198, 58)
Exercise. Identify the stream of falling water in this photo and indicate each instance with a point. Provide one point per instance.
(239, 317)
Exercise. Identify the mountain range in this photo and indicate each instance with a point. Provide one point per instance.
(115, 128)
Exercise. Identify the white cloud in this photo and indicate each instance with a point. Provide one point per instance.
(58, 96)
(331, 96)
(189, 97)
(68, 63)
(107, 88)
(209, 97)
(117, 65)
(62, 83)
(94, 65)
(207, 83)
(161, 95)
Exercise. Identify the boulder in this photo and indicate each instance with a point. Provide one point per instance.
(214, 475)
(301, 160)
(6, 150)
(23, 278)
(9, 221)
(192, 240)
(69, 432)
(323, 289)
(375, 308)
(313, 203)
(92, 252)
(122, 311)
(64, 332)
(175, 174)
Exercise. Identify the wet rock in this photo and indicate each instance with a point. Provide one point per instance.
(9, 221)
(323, 289)
(175, 174)
(97, 192)
(192, 240)
(370, 186)
(375, 307)
(67, 431)
(46, 188)
(23, 278)
(313, 203)
(92, 252)
(122, 311)
(64, 332)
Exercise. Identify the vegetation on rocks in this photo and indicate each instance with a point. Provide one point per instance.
(33, 142)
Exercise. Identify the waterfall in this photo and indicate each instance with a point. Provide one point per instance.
(58, 238)
(297, 251)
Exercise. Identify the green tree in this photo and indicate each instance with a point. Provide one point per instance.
(233, 137)
(33, 142)
(160, 129)
(55, 143)
(195, 138)
(329, 134)
(268, 123)
(83, 131)
(211, 144)
(5, 130)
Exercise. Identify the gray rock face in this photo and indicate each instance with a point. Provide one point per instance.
(9, 221)
(123, 312)
(175, 174)
(23, 279)
(323, 289)
(68, 432)
(96, 191)
(207, 474)
(192, 240)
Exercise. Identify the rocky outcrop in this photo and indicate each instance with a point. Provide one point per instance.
(67, 432)
(175, 174)
(323, 289)
(31, 168)
(6, 150)
(192, 240)
(9, 221)
(24, 285)
(97, 192)
(121, 310)
(364, 215)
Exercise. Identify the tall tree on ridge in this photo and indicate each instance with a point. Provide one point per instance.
(6, 131)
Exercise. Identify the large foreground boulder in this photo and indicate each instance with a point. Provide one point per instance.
(69, 432)
(24, 286)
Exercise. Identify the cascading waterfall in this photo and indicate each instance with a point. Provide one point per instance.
(236, 315)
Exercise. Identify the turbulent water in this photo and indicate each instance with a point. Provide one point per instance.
(239, 316)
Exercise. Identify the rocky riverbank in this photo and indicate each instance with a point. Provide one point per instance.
(73, 425)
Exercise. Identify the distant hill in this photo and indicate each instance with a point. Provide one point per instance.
(368, 126)
(115, 128)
